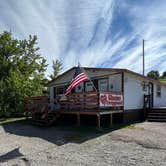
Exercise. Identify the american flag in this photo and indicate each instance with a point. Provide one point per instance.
(78, 78)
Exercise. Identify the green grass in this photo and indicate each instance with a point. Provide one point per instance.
(162, 80)
(8, 120)
(131, 126)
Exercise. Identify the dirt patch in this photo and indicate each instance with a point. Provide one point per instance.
(139, 144)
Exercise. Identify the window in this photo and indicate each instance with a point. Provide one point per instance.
(158, 91)
(103, 85)
(55, 92)
(58, 93)
(89, 86)
(144, 86)
(60, 90)
(80, 88)
(115, 83)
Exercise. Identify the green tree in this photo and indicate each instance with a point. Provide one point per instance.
(153, 74)
(21, 71)
(164, 74)
(57, 67)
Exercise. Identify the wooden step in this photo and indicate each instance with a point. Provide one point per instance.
(42, 122)
(160, 108)
(156, 113)
(156, 120)
(37, 123)
(39, 120)
(51, 121)
(51, 117)
(158, 116)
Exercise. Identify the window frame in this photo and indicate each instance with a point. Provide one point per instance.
(107, 80)
(158, 90)
(144, 86)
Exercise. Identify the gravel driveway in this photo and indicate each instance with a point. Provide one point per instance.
(140, 144)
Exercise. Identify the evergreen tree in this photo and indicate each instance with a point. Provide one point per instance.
(57, 67)
(164, 74)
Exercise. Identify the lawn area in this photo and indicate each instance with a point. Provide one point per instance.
(162, 80)
(8, 120)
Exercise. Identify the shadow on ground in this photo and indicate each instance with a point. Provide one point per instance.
(59, 134)
(11, 155)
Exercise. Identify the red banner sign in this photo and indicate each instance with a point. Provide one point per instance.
(109, 99)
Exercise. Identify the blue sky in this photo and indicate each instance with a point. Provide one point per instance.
(97, 33)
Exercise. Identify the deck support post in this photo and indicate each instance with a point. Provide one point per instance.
(78, 119)
(98, 121)
(110, 119)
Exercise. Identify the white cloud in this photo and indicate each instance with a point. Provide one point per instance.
(149, 24)
(81, 30)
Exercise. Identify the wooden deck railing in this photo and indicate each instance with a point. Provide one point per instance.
(92, 101)
(80, 101)
(83, 101)
(36, 104)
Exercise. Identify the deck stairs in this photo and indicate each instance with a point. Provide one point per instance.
(157, 115)
(52, 118)
(40, 120)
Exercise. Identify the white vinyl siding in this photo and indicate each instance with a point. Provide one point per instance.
(133, 92)
(159, 101)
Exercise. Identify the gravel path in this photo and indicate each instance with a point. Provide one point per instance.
(141, 144)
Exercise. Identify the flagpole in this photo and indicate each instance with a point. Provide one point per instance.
(88, 77)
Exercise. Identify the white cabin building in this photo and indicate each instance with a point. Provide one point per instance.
(116, 91)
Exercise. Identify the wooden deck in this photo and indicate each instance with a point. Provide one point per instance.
(102, 112)
(96, 113)
(87, 103)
